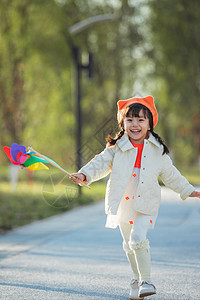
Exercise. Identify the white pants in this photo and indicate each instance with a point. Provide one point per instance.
(136, 245)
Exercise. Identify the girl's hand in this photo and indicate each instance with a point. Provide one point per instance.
(195, 194)
(77, 177)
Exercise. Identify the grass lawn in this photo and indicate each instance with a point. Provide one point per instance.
(48, 194)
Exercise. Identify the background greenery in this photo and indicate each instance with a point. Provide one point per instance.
(151, 48)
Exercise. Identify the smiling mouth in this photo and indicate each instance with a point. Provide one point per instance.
(135, 131)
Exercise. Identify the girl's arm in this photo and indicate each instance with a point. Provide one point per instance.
(97, 168)
(173, 179)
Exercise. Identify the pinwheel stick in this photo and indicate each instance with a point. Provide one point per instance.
(56, 165)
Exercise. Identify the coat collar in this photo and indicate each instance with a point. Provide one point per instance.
(154, 141)
(125, 144)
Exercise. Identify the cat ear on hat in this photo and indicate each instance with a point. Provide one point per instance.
(121, 104)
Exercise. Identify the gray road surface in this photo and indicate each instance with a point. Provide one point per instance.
(72, 256)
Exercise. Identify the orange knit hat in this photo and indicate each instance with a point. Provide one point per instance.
(147, 101)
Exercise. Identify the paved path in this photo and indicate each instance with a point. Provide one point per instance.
(72, 256)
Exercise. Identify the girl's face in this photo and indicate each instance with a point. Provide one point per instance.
(137, 127)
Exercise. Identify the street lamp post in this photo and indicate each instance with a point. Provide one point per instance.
(78, 106)
(78, 70)
(73, 30)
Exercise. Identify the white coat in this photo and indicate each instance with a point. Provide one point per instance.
(120, 159)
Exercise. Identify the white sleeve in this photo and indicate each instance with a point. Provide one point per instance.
(100, 166)
(173, 179)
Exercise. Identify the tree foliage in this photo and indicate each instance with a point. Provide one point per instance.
(37, 76)
(175, 31)
(13, 52)
(154, 41)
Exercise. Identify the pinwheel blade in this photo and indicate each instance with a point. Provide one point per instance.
(7, 150)
(49, 160)
(37, 166)
(15, 150)
(32, 160)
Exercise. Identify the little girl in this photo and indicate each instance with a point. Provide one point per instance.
(135, 158)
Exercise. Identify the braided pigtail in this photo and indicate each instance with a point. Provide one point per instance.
(112, 141)
(166, 150)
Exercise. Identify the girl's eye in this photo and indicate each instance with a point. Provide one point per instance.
(141, 120)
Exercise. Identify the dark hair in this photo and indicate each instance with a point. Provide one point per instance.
(134, 110)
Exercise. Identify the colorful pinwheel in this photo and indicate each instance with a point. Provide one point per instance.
(19, 156)
(31, 159)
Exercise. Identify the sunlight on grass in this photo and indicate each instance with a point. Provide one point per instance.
(42, 197)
